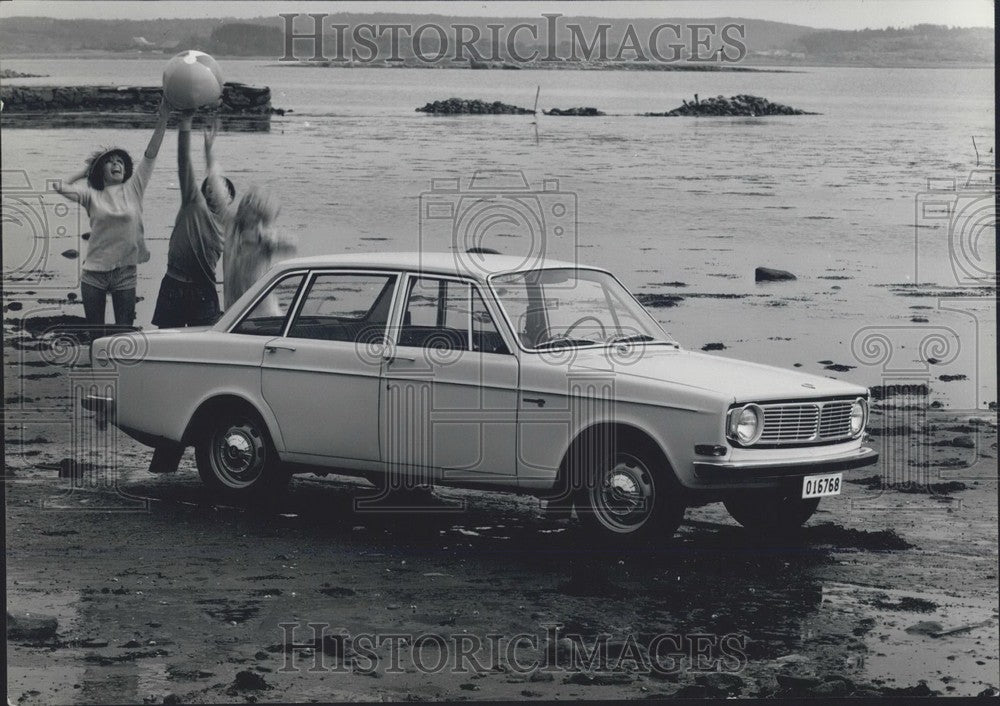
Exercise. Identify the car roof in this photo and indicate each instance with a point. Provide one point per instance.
(475, 265)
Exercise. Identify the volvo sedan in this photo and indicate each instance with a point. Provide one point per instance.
(488, 372)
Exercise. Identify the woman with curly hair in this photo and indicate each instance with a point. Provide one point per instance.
(112, 195)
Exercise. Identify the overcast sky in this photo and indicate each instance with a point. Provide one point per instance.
(835, 14)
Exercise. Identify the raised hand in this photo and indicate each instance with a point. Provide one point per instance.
(211, 130)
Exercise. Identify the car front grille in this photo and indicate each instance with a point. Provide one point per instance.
(804, 422)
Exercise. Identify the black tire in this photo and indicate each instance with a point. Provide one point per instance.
(236, 456)
(629, 493)
(771, 511)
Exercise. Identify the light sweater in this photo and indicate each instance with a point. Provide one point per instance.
(116, 232)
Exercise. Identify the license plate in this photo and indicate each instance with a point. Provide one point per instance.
(821, 486)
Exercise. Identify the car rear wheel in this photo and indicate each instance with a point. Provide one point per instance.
(235, 455)
(630, 495)
(771, 511)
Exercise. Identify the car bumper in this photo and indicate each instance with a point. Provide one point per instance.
(716, 473)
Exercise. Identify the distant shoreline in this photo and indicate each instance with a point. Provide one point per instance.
(744, 67)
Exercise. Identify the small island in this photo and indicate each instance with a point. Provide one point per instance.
(583, 112)
(741, 105)
(10, 73)
(461, 106)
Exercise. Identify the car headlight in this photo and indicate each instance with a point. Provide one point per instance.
(746, 424)
(859, 415)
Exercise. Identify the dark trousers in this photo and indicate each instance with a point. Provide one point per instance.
(186, 304)
(95, 301)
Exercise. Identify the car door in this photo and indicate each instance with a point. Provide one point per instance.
(449, 398)
(321, 378)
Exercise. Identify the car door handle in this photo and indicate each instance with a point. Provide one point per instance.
(535, 400)
(393, 358)
(272, 347)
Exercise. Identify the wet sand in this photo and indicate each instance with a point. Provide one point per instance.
(161, 592)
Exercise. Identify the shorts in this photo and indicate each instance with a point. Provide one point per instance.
(186, 304)
(112, 280)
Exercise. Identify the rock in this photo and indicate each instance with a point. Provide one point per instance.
(768, 274)
(599, 678)
(713, 347)
(460, 106)
(963, 442)
(796, 683)
(921, 689)
(989, 692)
(586, 112)
(728, 684)
(33, 628)
(540, 676)
(925, 627)
(249, 681)
(720, 106)
(70, 254)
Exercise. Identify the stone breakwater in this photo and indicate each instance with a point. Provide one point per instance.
(581, 112)
(242, 107)
(460, 106)
(741, 105)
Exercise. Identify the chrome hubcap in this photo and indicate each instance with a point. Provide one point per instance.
(623, 499)
(238, 454)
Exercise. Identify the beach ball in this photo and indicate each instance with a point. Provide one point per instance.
(192, 79)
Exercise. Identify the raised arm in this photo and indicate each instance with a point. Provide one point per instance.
(185, 170)
(74, 193)
(153, 148)
(216, 182)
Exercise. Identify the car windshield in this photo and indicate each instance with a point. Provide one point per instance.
(569, 307)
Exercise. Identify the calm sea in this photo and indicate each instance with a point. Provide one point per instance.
(840, 198)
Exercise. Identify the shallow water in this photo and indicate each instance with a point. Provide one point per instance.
(835, 198)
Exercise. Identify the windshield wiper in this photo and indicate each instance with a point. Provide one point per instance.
(637, 338)
(565, 343)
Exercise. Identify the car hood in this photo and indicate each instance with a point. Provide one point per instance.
(739, 380)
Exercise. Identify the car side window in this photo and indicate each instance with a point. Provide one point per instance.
(448, 315)
(267, 317)
(345, 306)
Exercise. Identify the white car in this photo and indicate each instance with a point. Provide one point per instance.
(485, 371)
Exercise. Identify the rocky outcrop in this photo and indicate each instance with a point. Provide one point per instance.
(460, 106)
(121, 106)
(768, 274)
(586, 112)
(741, 105)
(10, 73)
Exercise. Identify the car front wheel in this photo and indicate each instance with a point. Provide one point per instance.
(771, 511)
(235, 455)
(631, 496)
